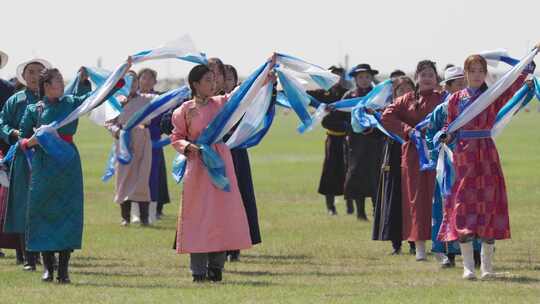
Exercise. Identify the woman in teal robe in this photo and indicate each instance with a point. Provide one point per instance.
(19, 174)
(55, 204)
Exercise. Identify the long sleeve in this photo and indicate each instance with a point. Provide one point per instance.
(392, 119)
(166, 122)
(113, 126)
(6, 120)
(28, 122)
(79, 99)
(452, 111)
(83, 88)
(436, 123)
(336, 121)
(179, 135)
(505, 97)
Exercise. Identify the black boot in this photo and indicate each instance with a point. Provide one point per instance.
(412, 248)
(30, 261)
(159, 211)
(215, 274)
(48, 266)
(360, 209)
(125, 212)
(350, 206)
(330, 207)
(234, 255)
(63, 267)
(452, 259)
(396, 245)
(477, 259)
(144, 213)
(199, 278)
(20, 256)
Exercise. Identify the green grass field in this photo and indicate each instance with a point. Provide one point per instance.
(306, 256)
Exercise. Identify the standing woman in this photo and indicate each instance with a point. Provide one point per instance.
(211, 220)
(10, 131)
(132, 180)
(7, 240)
(242, 170)
(478, 205)
(454, 81)
(387, 224)
(336, 124)
(417, 186)
(364, 150)
(55, 200)
(159, 190)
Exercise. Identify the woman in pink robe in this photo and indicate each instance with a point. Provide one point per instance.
(211, 220)
(478, 205)
(417, 186)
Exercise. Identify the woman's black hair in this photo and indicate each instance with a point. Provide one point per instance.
(230, 68)
(397, 73)
(219, 63)
(46, 76)
(149, 71)
(419, 67)
(195, 75)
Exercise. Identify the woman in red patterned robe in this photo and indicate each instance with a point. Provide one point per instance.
(478, 205)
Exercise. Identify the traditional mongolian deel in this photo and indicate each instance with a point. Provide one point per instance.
(417, 187)
(211, 219)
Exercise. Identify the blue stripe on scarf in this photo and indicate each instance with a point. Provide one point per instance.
(209, 136)
(256, 138)
(155, 107)
(109, 169)
(298, 99)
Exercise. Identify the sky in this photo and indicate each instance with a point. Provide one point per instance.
(387, 34)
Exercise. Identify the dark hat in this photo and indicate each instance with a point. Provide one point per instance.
(336, 70)
(363, 67)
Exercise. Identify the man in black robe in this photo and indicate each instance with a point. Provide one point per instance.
(336, 123)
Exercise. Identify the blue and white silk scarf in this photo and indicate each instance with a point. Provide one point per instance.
(182, 48)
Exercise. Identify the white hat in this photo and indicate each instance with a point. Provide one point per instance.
(3, 59)
(452, 73)
(22, 66)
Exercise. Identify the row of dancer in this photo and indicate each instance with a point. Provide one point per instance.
(408, 204)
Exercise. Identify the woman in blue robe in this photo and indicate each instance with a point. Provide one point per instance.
(453, 82)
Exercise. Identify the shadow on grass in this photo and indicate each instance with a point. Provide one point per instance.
(250, 283)
(97, 265)
(518, 279)
(93, 258)
(297, 273)
(124, 274)
(168, 286)
(125, 285)
(153, 227)
(277, 257)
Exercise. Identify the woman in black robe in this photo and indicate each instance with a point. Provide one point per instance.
(387, 220)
